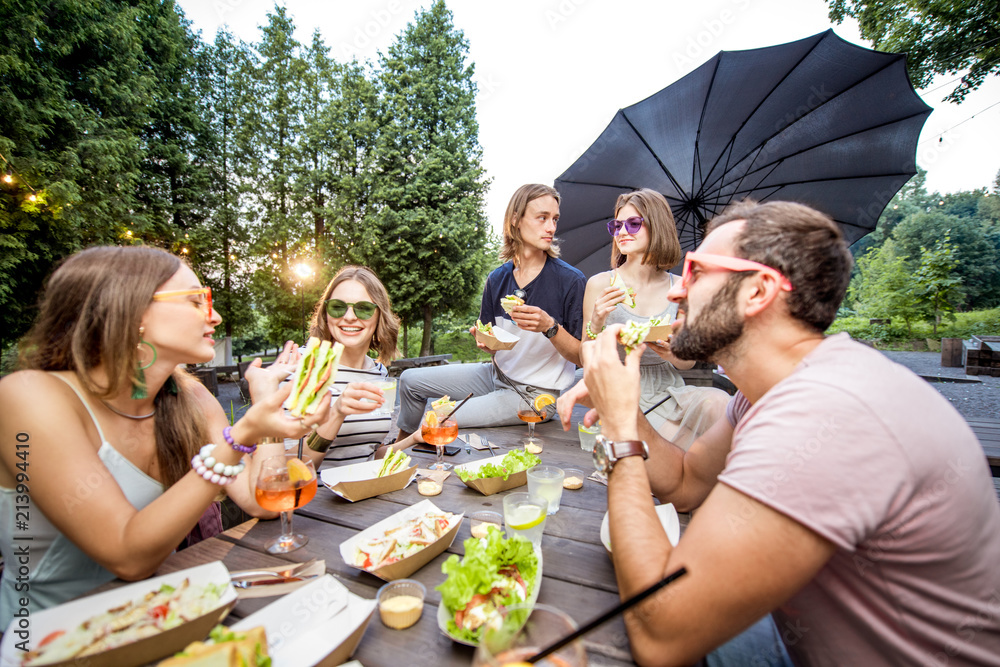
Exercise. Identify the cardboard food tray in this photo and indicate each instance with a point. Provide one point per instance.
(359, 481)
(490, 485)
(318, 625)
(659, 332)
(443, 614)
(70, 615)
(502, 340)
(403, 568)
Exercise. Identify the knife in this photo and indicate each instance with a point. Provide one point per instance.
(271, 582)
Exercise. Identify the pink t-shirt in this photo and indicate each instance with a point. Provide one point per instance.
(870, 456)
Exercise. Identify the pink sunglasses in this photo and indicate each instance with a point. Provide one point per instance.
(728, 263)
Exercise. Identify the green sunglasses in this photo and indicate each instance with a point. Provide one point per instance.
(363, 310)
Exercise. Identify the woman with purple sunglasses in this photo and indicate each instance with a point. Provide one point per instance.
(644, 247)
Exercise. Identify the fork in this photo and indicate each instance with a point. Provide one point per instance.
(277, 574)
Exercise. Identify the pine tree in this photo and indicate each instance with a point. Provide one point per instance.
(428, 236)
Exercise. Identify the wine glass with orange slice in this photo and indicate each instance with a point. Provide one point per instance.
(438, 431)
(532, 411)
(285, 483)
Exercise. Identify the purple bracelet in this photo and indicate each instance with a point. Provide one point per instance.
(227, 433)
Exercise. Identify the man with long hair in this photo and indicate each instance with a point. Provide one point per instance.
(548, 323)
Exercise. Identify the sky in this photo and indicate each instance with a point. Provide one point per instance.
(552, 73)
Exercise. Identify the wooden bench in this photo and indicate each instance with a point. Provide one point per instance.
(400, 365)
(988, 432)
(208, 376)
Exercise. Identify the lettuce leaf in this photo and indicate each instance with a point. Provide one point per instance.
(513, 461)
(475, 573)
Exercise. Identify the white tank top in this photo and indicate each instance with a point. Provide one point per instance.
(56, 570)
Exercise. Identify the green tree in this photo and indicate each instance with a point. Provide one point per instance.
(938, 285)
(428, 235)
(974, 246)
(938, 37)
(76, 87)
(884, 286)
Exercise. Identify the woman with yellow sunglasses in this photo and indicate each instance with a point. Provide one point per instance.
(110, 453)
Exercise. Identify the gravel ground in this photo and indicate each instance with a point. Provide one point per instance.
(977, 399)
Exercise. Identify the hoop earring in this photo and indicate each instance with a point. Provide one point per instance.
(139, 387)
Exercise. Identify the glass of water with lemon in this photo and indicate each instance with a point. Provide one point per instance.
(524, 515)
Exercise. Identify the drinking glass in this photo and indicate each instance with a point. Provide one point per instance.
(284, 484)
(588, 436)
(439, 434)
(516, 640)
(524, 515)
(531, 414)
(388, 387)
(547, 482)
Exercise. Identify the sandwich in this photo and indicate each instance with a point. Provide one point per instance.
(632, 334)
(314, 375)
(402, 540)
(495, 573)
(225, 648)
(509, 301)
(619, 283)
(393, 462)
(484, 328)
(442, 407)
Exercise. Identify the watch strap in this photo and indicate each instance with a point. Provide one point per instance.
(551, 331)
(623, 448)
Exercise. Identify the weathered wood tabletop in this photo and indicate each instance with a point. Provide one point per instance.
(578, 576)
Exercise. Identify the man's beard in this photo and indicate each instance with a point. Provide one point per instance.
(718, 326)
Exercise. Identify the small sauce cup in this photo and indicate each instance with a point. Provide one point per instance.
(401, 602)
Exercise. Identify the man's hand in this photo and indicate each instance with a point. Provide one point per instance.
(564, 404)
(472, 330)
(613, 386)
(532, 318)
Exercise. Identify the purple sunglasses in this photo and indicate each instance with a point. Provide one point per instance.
(632, 225)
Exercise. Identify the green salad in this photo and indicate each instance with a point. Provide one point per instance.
(515, 460)
(495, 573)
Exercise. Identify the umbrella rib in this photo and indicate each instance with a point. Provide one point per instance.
(761, 145)
(656, 157)
(818, 145)
(732, 139)
(696, 171)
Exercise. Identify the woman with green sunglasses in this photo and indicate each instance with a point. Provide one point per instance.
(355, 311)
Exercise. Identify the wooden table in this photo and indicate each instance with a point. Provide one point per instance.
(578, 576)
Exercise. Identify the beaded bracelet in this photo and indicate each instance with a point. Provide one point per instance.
(227, 433)
(214, 471)
(590, 333)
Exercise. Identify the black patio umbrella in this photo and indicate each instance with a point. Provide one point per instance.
(819, 121)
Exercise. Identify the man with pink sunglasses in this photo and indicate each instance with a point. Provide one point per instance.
(844, 495)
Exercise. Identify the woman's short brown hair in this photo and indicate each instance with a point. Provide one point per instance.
(516, 207)
(803, 244)
(664, 249)
(383, 342)
(90, 315)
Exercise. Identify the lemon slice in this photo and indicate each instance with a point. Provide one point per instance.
(298, 471)
(517, 664)
(532, 523)
(543, 401)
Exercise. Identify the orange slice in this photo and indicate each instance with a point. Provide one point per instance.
(298, 471)
(543, 401)
(431, 419)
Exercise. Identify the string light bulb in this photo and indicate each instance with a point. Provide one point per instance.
(8, 177)
(32, 197)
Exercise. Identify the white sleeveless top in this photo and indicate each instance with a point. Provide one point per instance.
(55, 569)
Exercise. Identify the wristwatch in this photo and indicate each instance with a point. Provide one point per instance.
(608, 452)
(551, 331)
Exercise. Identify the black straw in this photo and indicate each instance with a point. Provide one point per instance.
(608, 615)
(457, 407)
(298, 490)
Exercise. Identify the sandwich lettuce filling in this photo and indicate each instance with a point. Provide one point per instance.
(315, 374)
